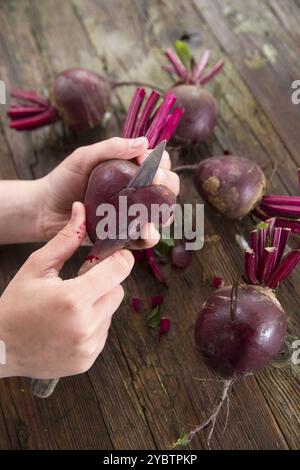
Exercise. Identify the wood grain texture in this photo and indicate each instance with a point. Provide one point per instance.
(140, 394)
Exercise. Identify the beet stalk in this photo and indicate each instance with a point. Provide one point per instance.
(78, 97)
(241, 328)
(200, 106)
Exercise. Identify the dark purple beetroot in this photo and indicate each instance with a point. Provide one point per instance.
(200, 112)
(200, 108)
(232, 185)
(247, 343)
(80, 97)
(108, 181)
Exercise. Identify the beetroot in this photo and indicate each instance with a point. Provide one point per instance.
(235, 186)
(79, 97)
(244, 344)
(109, 179)
(241, 328)
(200, 107)
(232, 185)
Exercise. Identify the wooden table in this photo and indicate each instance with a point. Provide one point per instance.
(141, 394)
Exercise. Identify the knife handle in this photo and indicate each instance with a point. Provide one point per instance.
(43, 388)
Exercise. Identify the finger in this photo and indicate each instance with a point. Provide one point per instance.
(104, 308)
(112, 271)
(164, 163)
(84, 159)
(149, 238)
(169, 179)
(52, 256)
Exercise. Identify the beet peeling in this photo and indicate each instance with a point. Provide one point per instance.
(200, 106)
(241, 328)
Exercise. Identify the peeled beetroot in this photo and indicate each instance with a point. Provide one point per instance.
(199, 105)
(232, 185)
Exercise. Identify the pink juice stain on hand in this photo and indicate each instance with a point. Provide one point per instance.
(81, 231)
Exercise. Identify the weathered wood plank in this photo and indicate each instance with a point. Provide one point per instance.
(265, 56)
(141, 393)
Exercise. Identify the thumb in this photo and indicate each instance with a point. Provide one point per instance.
(61, 247)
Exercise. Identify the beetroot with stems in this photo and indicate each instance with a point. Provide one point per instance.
(109, 179)
(241, 328)
(79, 97)
(235, 187)
(200, 106)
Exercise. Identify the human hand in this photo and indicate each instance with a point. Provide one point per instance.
(55, 328)
(68, 182)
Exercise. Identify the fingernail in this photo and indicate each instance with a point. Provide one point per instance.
(139, 142)
(74, 210)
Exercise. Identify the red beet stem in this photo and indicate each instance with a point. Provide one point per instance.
(275, 241)
(159, 119)
(281, 200)
(293, 225)
(283, 210)
(199, 68)
(164, 326)
(285, 234)
(154, 265)
(133, 111)
(177, 64)
(211, 73)
(271, 225)
(30, 96)
(284, 269)
(136, 304)
(172, 122)
(250, 266)
(39, 120)
(263, 262)
(141, 125)
(254, 243)
(156, 300)
(268, 263)
(169, 68)
(17, 112)
(262, 233)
